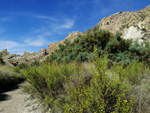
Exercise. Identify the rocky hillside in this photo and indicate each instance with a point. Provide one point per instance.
(133, 25)
(14, 59)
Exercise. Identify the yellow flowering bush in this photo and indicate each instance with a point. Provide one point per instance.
(102, 95)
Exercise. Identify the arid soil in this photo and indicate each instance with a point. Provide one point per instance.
(15, 101)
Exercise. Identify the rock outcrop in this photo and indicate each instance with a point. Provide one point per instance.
(133, 25)
(73, 35)
(4, 53)
(70, 37)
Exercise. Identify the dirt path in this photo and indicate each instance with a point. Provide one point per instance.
(15, 102)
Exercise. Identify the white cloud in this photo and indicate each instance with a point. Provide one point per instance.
(42, 32)
(8, 44)
(46, 17)
(38, 42)
(67, 24)
(39, 30)
(39, 37)
(29, 45)
(50, 25)
(12, 47)
(45, 34)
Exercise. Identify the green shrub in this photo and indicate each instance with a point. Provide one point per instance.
(133, 72)
(46, 82)
(80, 87)
(103, 95)
(141, 52)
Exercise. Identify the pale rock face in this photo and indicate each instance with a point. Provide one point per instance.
(134, 33)
(140, 24)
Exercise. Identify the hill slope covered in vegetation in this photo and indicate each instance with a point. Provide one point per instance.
(94, 71)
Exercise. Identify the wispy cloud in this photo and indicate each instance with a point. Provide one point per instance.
(8, 44)
(68, 23)
(47, 30)
(46, 17)
(27, 45)
(47, 33)
(36, 42)
(50, 28)
(42, 32)
(50, 25)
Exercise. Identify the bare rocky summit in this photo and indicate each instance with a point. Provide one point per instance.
(133, 25)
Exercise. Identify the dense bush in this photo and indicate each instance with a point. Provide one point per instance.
(140, 52)
(86, 88)
(82, 47)
(47, 81)
(119, 50)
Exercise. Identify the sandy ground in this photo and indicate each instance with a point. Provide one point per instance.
(15, 101)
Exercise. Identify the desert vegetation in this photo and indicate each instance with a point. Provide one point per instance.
(119, 50)
(98, 72)
(90, 87)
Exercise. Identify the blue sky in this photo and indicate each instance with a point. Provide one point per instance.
(30, 25)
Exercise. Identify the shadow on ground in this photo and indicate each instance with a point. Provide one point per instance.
(11, 85)
(3, 96)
